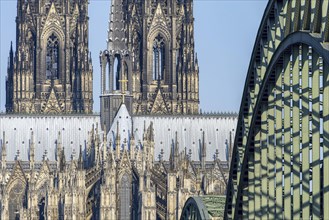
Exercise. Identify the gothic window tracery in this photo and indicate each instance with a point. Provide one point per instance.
(41, 206)
(31, 49)
(116, 72)
(52, 57)
(125, 197)
(137, 52)
(125, 77)
(42, 194)
(16, 200)
(158, 58)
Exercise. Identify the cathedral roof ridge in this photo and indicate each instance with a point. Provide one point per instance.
(6, 114)
(200, 115)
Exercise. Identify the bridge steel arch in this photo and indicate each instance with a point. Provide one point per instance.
(280, 164)
(194, 209)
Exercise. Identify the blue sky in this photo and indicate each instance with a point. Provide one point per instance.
(225, 32)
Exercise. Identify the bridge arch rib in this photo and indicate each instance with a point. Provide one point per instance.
(281, 151)
(194, 208)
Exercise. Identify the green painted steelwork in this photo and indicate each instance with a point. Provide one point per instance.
(204, 208)
(280, 164)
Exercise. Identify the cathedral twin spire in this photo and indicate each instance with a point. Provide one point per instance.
(150, 47)
(51, 70)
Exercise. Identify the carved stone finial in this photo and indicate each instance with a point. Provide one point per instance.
(44, 157)
(73, 154)
(17, 155)
(190, 154)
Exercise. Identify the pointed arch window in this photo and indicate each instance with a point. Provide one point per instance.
(158, 58)
(16, 200)
(52, 58)
(125, 197)
(124, 84)
(116, 72)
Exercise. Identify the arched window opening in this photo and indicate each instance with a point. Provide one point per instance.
(107, 77)
(41, 206)
(16, 200)
(125, 197)
(125, 77)
(32, 57)
(116, 73)
(42, 201)
(177, 57)
(158, 58)
(136, 53)
(52, 58)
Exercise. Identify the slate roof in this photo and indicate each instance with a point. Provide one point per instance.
(189, 132)
(74, 132)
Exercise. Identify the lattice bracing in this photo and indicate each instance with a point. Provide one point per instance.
(280, 167)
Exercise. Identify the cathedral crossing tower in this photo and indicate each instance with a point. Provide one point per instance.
(51, 70)
(151, 45)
